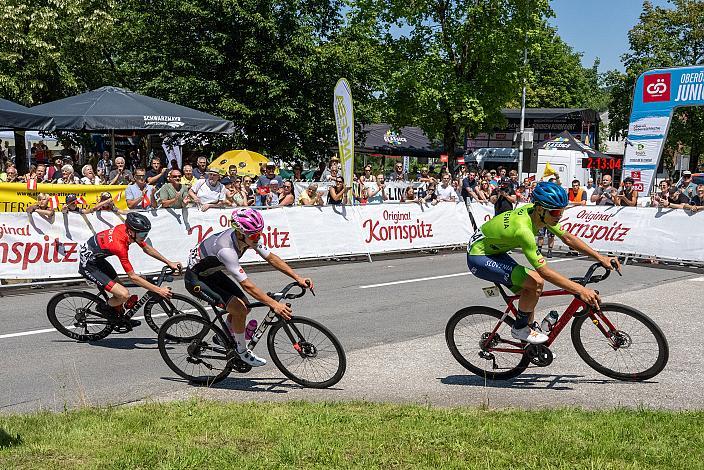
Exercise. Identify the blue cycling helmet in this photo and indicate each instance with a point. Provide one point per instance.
(550, 195)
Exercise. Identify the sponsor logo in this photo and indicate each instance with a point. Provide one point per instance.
(638, 186)
(410, 231)
(393, 138)
(656, 87)
(592, 226)
(635, 174)
(33, 253)
(173, 122)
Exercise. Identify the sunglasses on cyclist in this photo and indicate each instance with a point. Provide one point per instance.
(140, 235)
(556, 212)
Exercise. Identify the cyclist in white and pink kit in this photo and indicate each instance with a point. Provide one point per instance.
(205, 277)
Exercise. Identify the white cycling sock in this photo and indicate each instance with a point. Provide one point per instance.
(241, 342)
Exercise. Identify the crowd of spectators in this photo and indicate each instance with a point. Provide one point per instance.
(194, 184)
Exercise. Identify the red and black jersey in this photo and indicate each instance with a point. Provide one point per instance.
(114, 242)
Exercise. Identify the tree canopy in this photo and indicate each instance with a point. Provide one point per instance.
(664, 37)
(270, 65)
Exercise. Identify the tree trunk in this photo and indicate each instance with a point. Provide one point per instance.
(20, 154)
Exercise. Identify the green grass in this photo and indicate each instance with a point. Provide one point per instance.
(199, 435)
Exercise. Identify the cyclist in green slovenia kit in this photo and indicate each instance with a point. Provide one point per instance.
(487, 258)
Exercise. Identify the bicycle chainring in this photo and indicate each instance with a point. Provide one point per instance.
(492, 344)
(237, 364)
(539, 354)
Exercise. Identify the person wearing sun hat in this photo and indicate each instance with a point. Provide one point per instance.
(209, 192)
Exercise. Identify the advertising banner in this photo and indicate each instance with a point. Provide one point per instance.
(35, 247)
(644, 231)
(344, 119)
(15, 197)
(657, 94)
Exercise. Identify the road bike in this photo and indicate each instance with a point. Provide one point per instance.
(74, 313)
(202, 351)
(616, 340)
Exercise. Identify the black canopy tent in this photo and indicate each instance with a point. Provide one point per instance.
(16, 116)
(411, 141)
(116, 109)
(565, 141)
(111, 108)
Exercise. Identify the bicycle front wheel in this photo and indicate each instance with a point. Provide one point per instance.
(187, 343)
(74, 315)
(636, 349)
(158, 310)
(307, 352)
(466, 333)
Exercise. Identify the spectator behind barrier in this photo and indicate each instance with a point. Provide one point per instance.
(264, 182)
(503, 196)
(668, 197)
(140, 195)
(120, 175)
(376, 194)
(201, 168)
(239, 194)
(310, 196)
(687, 186)
(605, 194)
(398, 174)
(696, 204)
(174, 194)
(42, 206)
(287, 197)
(67, 176)
(337, 193)
(577, 195)
(188, 179)
(627, 196)
(89, 176)
(156, 175)
(209, 193)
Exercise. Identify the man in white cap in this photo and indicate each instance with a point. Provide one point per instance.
(687, 186)
(264, 181)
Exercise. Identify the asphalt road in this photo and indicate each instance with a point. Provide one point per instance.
(392, 331)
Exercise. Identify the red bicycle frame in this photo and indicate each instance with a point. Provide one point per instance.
(596, 316)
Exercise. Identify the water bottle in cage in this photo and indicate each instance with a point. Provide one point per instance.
(250, 329)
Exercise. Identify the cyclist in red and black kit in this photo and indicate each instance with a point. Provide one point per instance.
(116, 242)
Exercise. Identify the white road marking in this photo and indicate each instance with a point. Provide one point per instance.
(697, 279)
(445, 276)
(50, 330)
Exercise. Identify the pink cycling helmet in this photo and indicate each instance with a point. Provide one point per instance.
(247, 221)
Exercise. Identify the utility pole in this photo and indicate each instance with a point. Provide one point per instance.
(523, 113)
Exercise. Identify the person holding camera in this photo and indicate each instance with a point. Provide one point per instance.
(668, 197)
(605, 194)
(627, 196)
(503, 197)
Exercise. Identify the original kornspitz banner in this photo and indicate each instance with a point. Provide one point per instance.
(344, 119)
(35, 247)
(15, 197)
(644, 231)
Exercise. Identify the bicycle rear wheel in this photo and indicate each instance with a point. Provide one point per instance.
(465, 334)
(186, 343)
(74, 314)
(158, 310)
(312, 356)
(637, 349)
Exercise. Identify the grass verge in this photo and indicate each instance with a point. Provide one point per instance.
(201, 434)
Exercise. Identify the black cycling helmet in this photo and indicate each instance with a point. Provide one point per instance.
(550, 195)
(137, 222)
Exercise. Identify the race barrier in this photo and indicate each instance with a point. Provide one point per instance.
(33, 247)
(15, 197)
(641, 231)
